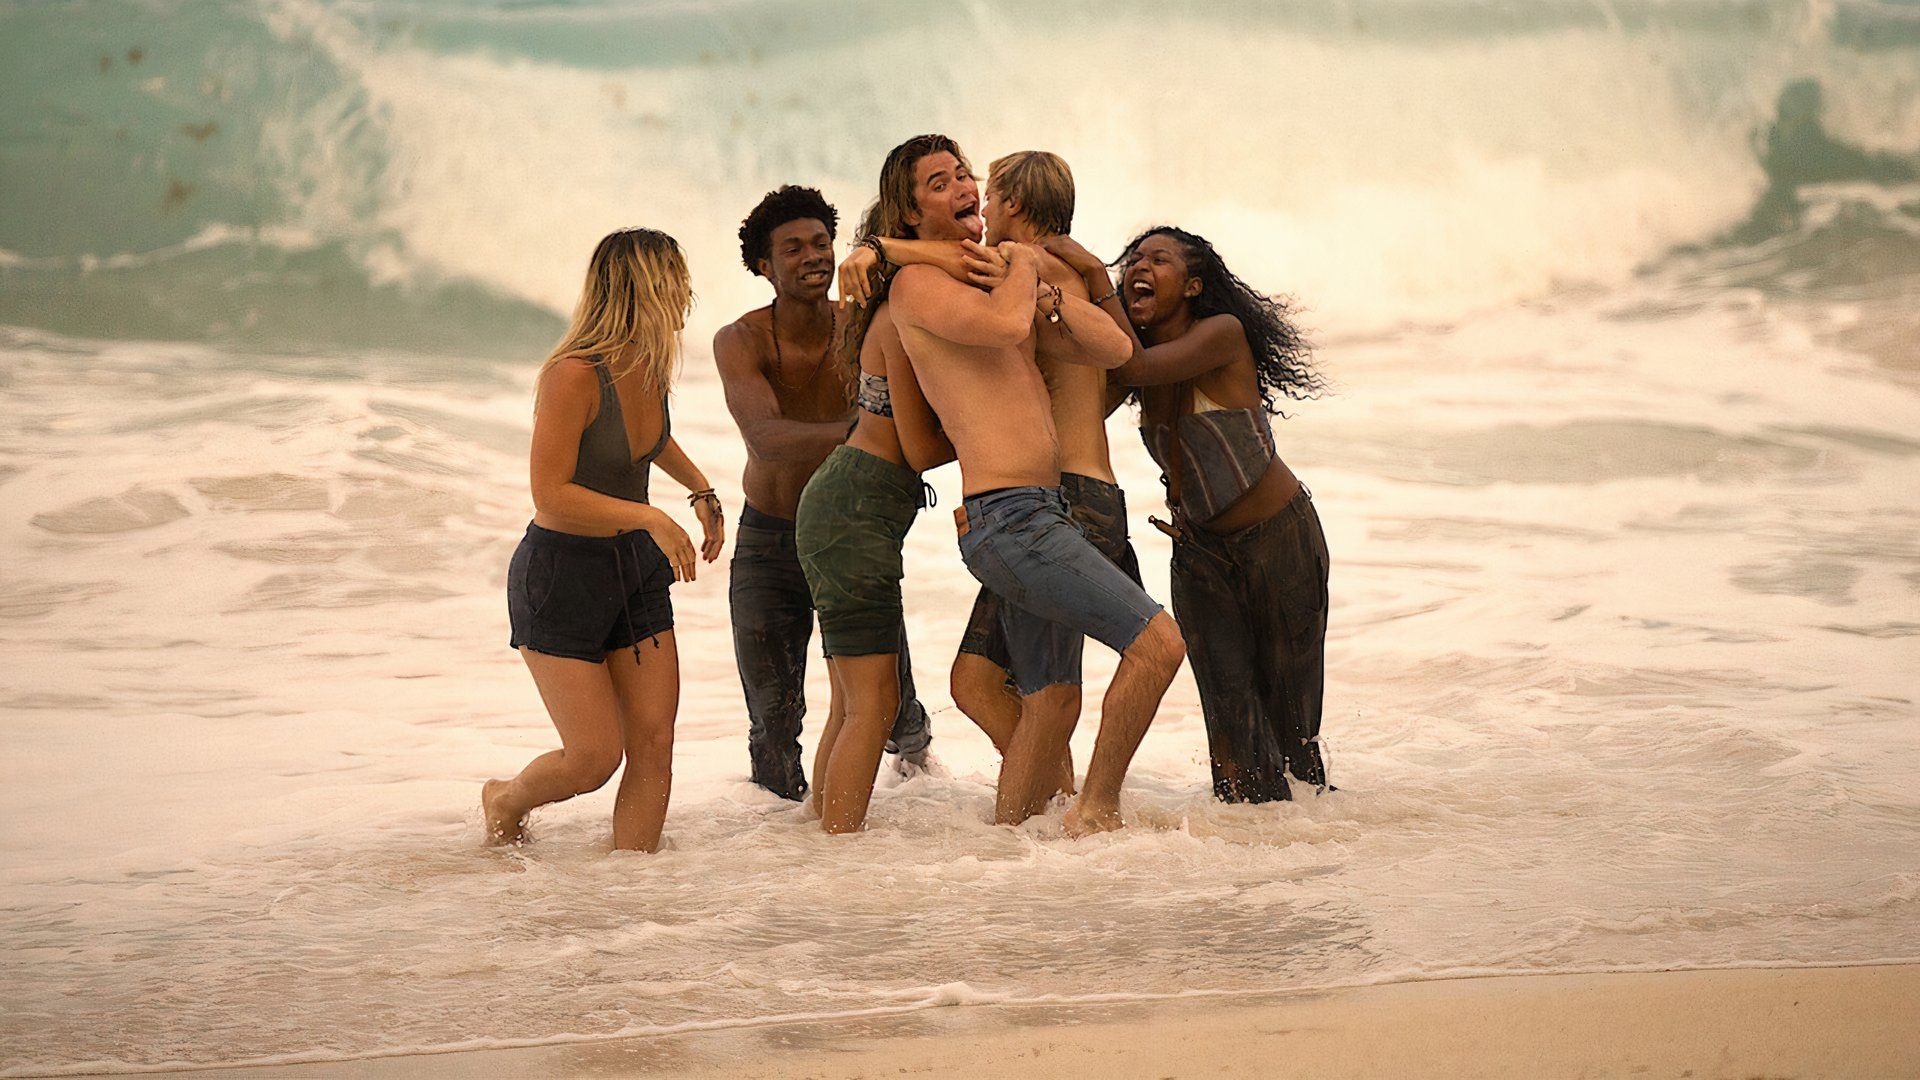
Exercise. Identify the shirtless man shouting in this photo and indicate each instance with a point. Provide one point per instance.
(974, 355)
(1029, 199)
(793, 406)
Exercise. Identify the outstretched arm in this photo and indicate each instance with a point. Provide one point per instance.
(770, 436)
(930, 301)
(675, 463)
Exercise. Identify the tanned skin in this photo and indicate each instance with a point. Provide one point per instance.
(624, 708)
(866, 689)
(974, 355)
(791, 417)
(1079, 396)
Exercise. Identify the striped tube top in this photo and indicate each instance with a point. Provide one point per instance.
(1221, 454)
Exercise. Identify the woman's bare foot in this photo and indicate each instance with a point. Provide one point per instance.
(1083, 820)
(503, 826)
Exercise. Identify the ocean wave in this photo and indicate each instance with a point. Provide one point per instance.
(297, 174)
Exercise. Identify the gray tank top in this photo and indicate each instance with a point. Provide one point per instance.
(606, 463)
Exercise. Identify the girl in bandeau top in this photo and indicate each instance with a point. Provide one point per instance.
(853, 519)
(587, 587)
(1212, 359)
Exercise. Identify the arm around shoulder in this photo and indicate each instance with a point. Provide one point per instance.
(929, 300)
(1084, 334)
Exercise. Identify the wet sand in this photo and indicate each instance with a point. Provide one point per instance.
(1817, 1022)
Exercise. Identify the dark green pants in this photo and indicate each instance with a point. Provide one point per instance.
(772, 623)
(853, 519)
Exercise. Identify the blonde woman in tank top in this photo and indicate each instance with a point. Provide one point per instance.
(1212, 359)
(587, 587)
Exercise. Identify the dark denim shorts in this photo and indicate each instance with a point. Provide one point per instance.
(1058, 587)
(1100, 509)
(582, 597)
(852, 520)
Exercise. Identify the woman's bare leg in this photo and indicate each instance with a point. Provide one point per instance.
(871, 686)
(836, 716)
(649, 693)
(579, 696)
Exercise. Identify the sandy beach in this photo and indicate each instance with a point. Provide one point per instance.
(1802, 1023)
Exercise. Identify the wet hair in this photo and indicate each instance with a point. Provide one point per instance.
(1043, 186)
(781, 205)
(635, 300)
(887, 217)
(1281, 354)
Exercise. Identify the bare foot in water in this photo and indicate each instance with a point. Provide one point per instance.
(502, 826)
(1066, 776)
(1085, 821)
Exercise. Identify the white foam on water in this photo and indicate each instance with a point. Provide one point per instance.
(1441, 182)
(1619, 679)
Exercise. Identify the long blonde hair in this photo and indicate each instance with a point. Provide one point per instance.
(632, 308)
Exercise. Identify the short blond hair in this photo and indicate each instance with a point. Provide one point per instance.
(1043, 186)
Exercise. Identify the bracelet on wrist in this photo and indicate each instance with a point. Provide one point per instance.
(1110, 294)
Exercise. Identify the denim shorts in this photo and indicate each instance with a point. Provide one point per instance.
(852, 520)
(1058, 587)
(582, 597)
(1100, 509)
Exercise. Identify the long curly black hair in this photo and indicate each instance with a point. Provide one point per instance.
(1282, 356)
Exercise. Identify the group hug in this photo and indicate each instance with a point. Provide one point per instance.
(970, 327)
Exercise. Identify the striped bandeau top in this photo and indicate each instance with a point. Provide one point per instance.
(1211, 456)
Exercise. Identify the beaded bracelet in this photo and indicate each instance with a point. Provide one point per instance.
(1053, 316)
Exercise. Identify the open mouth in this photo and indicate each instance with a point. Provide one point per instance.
(969, 216)
(815, 277)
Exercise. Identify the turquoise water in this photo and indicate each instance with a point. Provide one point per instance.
(301, 176)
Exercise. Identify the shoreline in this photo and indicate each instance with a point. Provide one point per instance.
(1774, 1021)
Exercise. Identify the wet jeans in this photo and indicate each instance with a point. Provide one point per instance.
(1253, 608)
(1057, 586)
(772, 624)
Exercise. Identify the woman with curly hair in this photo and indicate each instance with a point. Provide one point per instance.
(588, 584)
(1212, 359)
